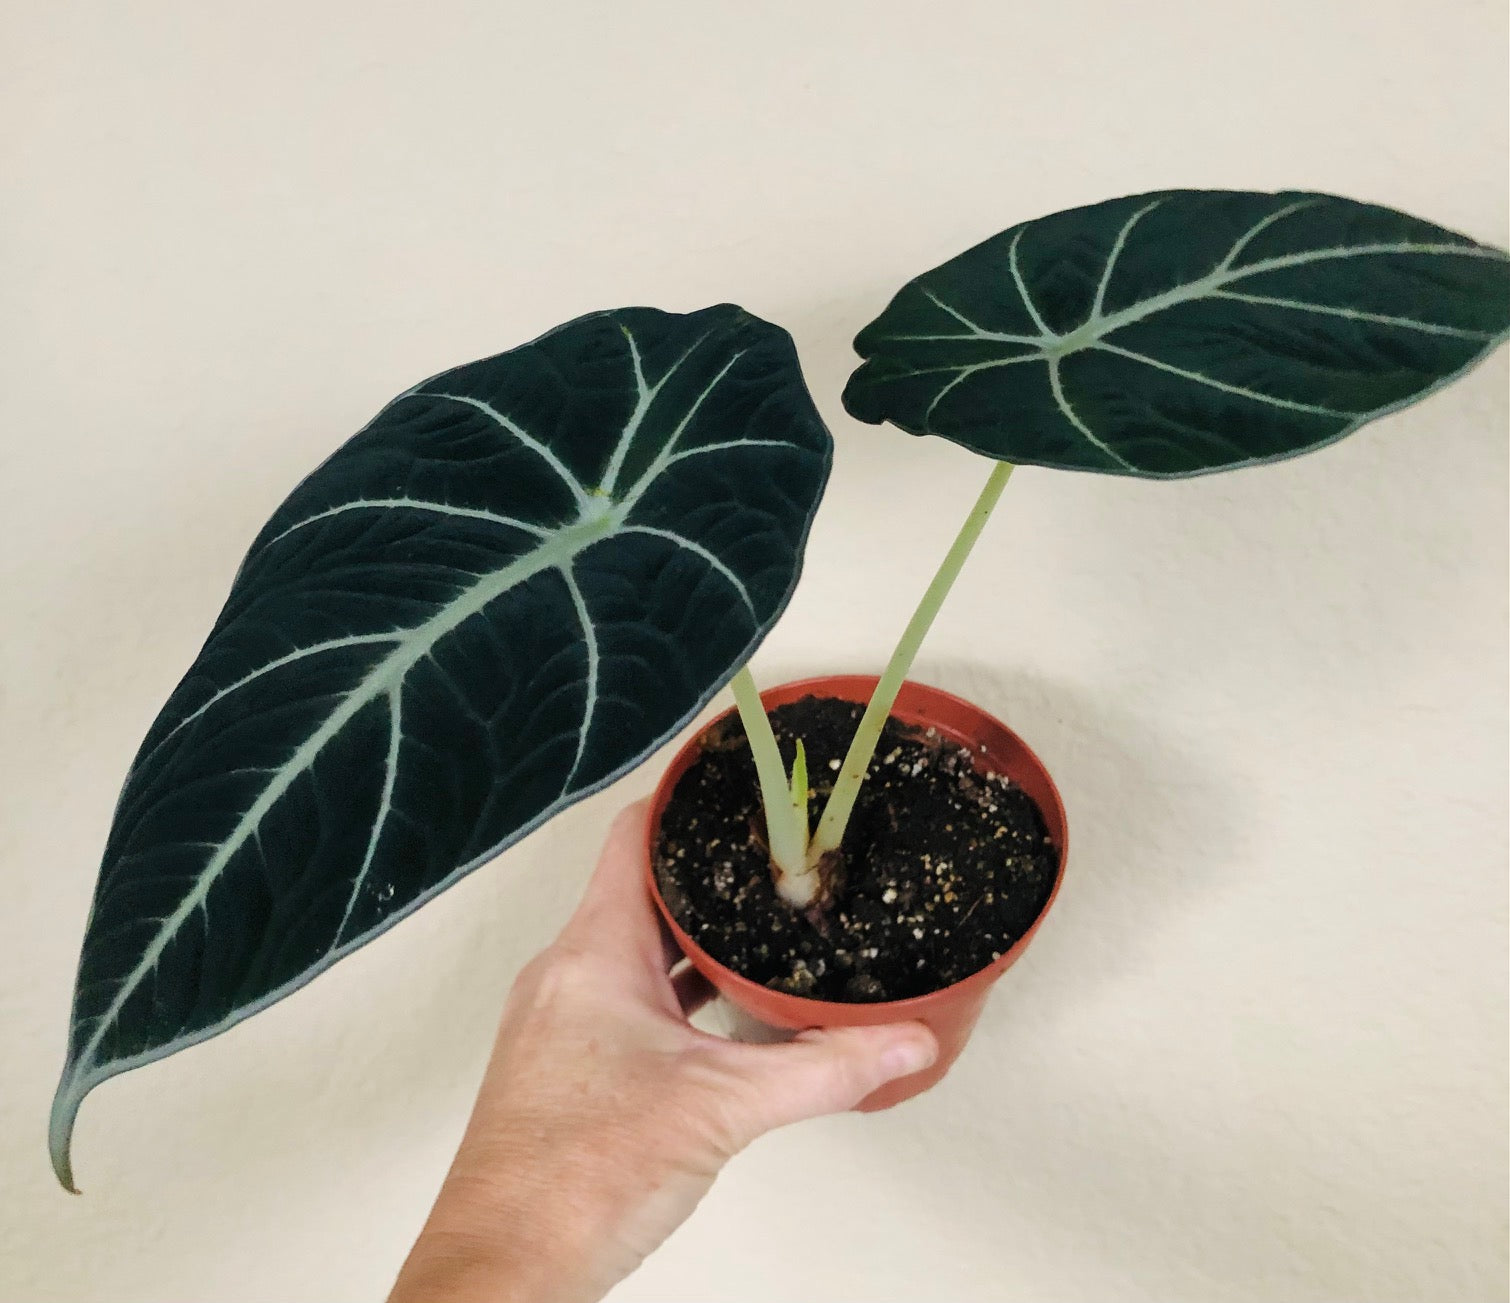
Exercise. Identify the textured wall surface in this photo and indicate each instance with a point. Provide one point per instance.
(1259, 1052)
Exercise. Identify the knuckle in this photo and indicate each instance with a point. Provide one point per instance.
(554, 977)
(854, 1070)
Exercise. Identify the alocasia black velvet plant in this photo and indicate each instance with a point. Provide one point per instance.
(526, 574)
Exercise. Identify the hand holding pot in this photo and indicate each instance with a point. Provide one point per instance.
(604, 1115)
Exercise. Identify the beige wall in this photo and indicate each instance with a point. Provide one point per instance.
(1259, 1053)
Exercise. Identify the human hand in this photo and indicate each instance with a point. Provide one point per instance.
(604, 1116)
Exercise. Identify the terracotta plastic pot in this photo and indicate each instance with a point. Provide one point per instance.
(951, 1012)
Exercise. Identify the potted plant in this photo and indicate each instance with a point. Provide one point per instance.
(528, 573)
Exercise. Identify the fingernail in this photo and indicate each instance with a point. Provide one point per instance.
(907, 1057)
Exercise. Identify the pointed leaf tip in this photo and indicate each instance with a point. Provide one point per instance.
(65, 1108)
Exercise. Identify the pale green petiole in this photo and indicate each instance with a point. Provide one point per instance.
(841, 801)
(786, 821)
(796, 858)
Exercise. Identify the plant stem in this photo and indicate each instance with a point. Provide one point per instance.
(786, 829)
(841, 801)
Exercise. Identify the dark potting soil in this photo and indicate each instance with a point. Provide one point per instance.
(944, 866)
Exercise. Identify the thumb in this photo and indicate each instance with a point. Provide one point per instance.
(829, 1070)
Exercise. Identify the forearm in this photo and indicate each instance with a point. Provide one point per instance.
(440, 1267)
(476, 1248)
(539, 1223)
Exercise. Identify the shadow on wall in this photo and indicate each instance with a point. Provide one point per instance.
(316, 1101)
(1140, 815)
(1215, 1181)
(1204, 1193)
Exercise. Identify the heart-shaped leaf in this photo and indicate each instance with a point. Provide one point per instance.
(514, 584)
(1176, 333)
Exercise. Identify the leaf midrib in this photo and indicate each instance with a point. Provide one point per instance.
(599, 516)
(556, 552)
(1097, 326)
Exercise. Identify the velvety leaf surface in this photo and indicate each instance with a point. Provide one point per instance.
(520, 579)
(1181, 332)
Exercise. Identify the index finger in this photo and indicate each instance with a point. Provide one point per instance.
(616, 914)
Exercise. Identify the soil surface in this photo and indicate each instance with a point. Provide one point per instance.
(944, 866)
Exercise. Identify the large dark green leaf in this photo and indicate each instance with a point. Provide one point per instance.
(520, 579)
(1182, 332)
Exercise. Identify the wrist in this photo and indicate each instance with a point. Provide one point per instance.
(482, 1246)
(461, 1269)
(533, 1225)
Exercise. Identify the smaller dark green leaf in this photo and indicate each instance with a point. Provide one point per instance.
(1187, 331)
